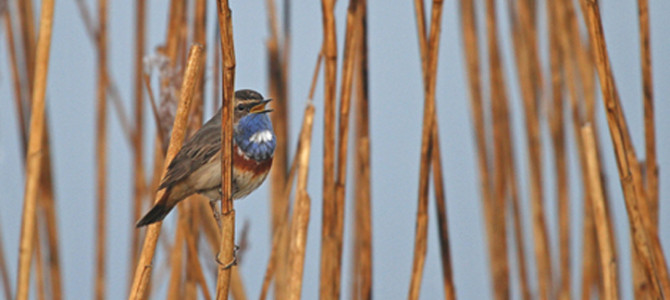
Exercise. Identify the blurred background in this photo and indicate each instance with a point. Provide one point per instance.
(396, 107)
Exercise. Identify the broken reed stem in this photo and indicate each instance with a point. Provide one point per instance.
(647, 244)
(651, 170)
(329, 284)
(429, 59)
(362, 263)
(608, 259)
(227, 244)
(283, 229)
(35, 150)
(502, 163)
(16, 80)
(138, 130)
(191, 78)
(301, 211)
(101, 153)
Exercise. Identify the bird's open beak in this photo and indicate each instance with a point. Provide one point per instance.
(259, 108)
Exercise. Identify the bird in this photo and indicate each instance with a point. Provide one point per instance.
(197, 166)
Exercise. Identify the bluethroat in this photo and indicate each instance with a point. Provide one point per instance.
(197, 166)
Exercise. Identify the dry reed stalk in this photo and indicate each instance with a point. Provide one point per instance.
(176, 255)
(192, 255)
(39, 267)
(556, 123)
(525, 42)
(362, 263)
(216, 77)
(301, 211)
(138, 130)
(649, 127)
(101, 153)
(349, 59)
(227, 243)
(16, 80)
(441, 211)
(502, 162)
(608, 260)
(281, 238)
(191, 77)
(329, 284)
(429, 58)
(564, 26)
(27, 22)
(199, 36)
(277, 73)
(469, 26)
(49, 214)
(429, 48)
(647, 244)
(35, 150)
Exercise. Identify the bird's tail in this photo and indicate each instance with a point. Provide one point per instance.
(157, 212)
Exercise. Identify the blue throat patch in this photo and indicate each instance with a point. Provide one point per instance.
(255, 137)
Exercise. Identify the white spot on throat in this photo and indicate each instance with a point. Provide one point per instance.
(261, 137)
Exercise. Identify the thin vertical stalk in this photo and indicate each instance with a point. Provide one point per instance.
(301, 211)
(16, 80)
(191, 77)
(525, 52)
(647, 244)
(441, 212)
(348, 62)
(138, 132)
(429, 48)
(651, 170)
(556, 123)
(226, 247)
(429, 59)
(278, 89)
(177, 259)
(502, 163)
(329, 286)
(35, 148)
(39, 264)
(49, 210)
(101, 153)
(27, 22)
(281, 238)
(362, 265)
(608, 260)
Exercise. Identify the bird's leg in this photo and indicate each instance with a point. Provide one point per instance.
(215, 211)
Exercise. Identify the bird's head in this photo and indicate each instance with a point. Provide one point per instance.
(249, 102)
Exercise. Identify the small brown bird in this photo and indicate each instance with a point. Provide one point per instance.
(197, 166)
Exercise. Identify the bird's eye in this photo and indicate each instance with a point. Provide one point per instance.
(240, 107)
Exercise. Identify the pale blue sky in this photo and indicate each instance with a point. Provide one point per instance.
(396, 111)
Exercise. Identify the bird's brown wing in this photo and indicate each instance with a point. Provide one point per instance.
(205, 143)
